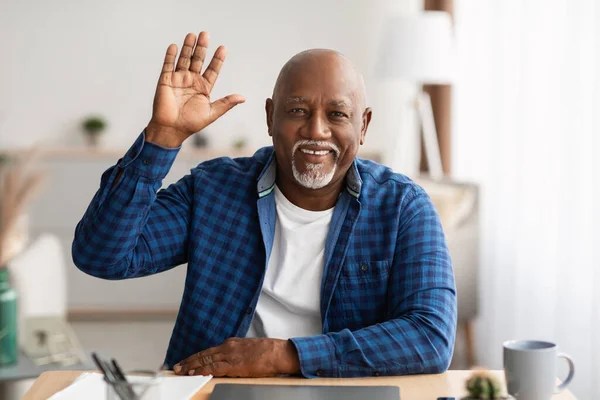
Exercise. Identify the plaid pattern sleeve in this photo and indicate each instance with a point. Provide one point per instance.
(419, 335)
(127, 217)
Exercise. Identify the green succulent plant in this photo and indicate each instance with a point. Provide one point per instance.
(239, 143)
(94, 125)
(483, 386)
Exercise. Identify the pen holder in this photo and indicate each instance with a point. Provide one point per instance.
(139, 388)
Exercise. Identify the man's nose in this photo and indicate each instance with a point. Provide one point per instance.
(317, 127)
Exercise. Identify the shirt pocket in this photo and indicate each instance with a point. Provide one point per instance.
(363, 292)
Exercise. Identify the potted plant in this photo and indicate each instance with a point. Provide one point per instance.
(93, 126)
(482, 385)
(240, 143)
(200, 140)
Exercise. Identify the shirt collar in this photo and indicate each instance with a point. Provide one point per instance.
(266, 179)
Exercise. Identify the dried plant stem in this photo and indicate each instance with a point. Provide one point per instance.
(19, 183)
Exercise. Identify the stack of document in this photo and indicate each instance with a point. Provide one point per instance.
(91, 386)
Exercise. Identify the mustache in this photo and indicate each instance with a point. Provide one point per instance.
(318, 143)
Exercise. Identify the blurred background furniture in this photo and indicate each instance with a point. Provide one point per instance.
(420, 49)
(40, 278)
(16, 380)
(38, 274)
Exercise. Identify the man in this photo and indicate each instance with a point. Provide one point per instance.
(301, 259)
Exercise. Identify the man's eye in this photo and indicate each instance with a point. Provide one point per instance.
(297, 111)
(339, 114)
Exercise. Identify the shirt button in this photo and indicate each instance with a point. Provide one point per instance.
(146, 162)
(319, 372)
(364, 267)
(249, 310)
(376, 373)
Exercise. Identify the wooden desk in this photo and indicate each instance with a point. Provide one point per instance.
(414, 387)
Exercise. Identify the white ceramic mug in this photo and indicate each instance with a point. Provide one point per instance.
(530, 369)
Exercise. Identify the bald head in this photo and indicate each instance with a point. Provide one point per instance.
(314, 61)
(317, 119)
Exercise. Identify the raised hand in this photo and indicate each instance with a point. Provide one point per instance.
(182, 104)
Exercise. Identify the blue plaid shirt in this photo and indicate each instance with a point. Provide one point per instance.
(388, 300)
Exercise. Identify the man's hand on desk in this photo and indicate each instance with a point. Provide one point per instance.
(243, 357)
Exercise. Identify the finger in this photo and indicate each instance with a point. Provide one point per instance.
(184, 364)
(169, 63)
(212, 72)
(201, 362)
(199, 52)
(183, 64)
(215, 369)
(221, 106)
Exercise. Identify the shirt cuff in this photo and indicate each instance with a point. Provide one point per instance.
(317, 356)
(148, 159)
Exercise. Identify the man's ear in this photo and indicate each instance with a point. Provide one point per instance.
(269, 108)
(366, 120)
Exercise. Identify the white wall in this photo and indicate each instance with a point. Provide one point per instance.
(65, 59)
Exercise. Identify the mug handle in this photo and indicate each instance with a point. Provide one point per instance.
(566, 382)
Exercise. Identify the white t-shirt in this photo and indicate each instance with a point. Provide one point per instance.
(289, 303)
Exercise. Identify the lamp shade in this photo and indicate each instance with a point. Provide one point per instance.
(418, 48)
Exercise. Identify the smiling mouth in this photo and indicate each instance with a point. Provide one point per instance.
(316, 152)
(316, 157)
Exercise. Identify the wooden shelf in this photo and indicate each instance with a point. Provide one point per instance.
(131, 314)
(116, 153)
(185, 153)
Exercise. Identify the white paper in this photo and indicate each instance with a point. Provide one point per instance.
(91, 386)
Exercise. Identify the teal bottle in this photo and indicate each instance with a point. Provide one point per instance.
(9, 347)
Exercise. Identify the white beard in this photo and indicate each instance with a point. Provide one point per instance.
(314, 177)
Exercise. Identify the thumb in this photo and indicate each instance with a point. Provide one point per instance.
(221, 106)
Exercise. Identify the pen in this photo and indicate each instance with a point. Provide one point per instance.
(98, 363)
(110, 378)
(121, 376)
(118, 370)
(121, 386)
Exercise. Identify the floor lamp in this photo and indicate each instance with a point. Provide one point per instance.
(419, 48)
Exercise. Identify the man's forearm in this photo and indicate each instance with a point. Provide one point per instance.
(110, 230)
(418, 342)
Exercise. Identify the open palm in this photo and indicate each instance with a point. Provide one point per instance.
(182, 101)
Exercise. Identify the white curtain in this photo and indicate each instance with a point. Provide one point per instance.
(526, 126)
